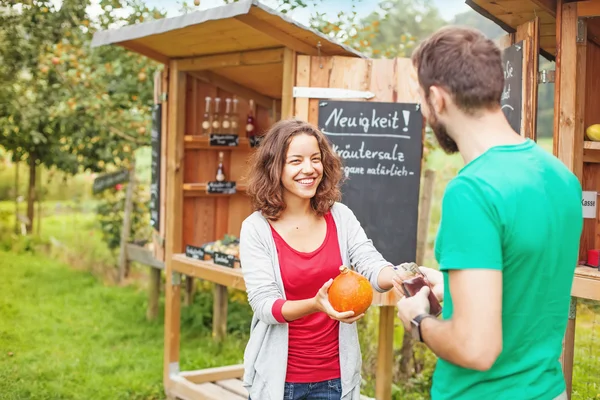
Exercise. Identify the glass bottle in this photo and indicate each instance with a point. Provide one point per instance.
(216, 121)
(250, 125)
(415, 281)
(234, 117)
(220, 169)
(225, 117)
(207, 117)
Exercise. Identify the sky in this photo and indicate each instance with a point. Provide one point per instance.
(448, 8)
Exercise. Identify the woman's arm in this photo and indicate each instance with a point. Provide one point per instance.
(259, 276)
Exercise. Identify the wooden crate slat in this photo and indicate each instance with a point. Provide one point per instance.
(214, 374)
(210, 391)
(233, 385)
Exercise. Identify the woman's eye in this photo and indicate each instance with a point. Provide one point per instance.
(316, 160)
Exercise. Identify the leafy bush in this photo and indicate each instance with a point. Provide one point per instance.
(111, 210)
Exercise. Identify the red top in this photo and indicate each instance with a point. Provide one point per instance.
(313, 353)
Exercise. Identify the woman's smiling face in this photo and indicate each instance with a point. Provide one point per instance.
(303, 170)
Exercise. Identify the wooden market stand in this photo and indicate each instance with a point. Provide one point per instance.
(249, 51)
(567, 32)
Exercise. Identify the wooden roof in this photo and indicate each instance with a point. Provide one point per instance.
(509, 14)
(241, 26)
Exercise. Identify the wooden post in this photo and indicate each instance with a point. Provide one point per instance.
(31, 193)
(425, 206)
(407, 351)
(16, 197)
(153, 294)
(220, 312)
(572, 35)
(189, 291)
(289, 77)
(174, 203)
(38, 196)
(126, 228)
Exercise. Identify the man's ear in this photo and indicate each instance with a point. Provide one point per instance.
(438, 99)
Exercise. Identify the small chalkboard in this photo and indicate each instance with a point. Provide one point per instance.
(226, 187)
(155, 167)
(381, 146)
(512, 96)
(219, 139)
(106, 181)
(255, 140)
(194, 252)
(225, 260)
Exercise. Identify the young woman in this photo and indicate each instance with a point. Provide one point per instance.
(291, 248)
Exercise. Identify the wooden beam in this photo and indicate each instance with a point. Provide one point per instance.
(589, 8)
(570, 129)
(557, 80)
(214, 374)
(289, 77)
(276, 34)
(529, 34)
(385, 353)
(233, 87)
(242, 58)
(546, 5)
(173, 244)
(143, 256)
(145, 51)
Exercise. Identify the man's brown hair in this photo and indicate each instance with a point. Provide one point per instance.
(463, 62)
(264, 180)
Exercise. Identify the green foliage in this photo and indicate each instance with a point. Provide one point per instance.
(110, 212)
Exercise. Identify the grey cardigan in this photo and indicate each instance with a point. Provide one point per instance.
(265, 357)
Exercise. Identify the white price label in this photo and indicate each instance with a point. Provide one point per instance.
(589, 201)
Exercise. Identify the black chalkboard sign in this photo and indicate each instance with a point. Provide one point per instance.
(226, 187)
(155, 167)
(225, 260)
(222, 139)
(106, 181)
(194, 252)
(381, 147)
(512, 96)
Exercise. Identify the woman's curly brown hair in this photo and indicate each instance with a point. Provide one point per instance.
(266, 166)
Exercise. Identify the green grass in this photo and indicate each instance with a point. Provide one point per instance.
(64, 335)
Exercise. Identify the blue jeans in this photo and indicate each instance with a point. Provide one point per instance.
(325, 390)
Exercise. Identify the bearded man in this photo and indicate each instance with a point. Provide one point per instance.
(508, 239)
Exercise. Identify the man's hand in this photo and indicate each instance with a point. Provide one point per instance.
(322, 304)
(410, 307)
(436, 279)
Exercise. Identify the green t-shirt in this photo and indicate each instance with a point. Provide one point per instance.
(517, 209)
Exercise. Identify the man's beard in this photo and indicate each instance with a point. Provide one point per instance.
(441, 133)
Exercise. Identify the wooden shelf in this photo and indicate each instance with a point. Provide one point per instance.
(591, 151)
(209, 271)
(586, 283)
(200, 189)
(194, 142)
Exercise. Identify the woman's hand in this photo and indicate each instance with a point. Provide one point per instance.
(323, 305)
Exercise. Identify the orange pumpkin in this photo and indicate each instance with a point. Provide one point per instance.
(350, 291)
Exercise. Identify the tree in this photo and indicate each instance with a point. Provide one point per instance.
(66, 105)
